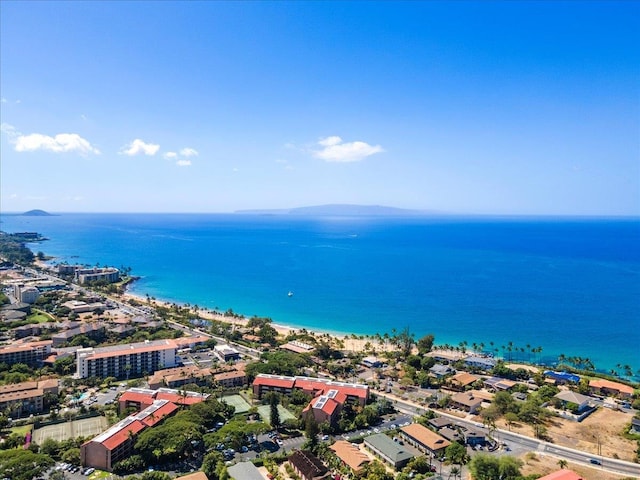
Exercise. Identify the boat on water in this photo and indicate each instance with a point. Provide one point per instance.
(290, 294)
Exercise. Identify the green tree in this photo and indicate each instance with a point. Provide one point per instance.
(485, 467)
(211, 463)
(425, 344)
(274, 419)
(20, 464)
(311, 431)
(457, 454)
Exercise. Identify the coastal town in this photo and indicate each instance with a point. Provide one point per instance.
(98, 383)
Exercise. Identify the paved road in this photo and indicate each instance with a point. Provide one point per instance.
(532, 444)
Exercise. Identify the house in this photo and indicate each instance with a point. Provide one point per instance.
(193, 476)
(387, 450)
(563, 475)
(460, 381)
(607, 387)
(440, 422)
(567, 396)
(452, 435)
(497, 384)
(372, 362)
(308, 466)
(244, 471)
(226, 353)
(439, 370)
(473, 437)
(561, 378)
(424, 439)
(466, 401)
(483, 363)
(350, 455)
(296, 346)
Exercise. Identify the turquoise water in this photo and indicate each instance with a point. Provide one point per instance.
(571, 286)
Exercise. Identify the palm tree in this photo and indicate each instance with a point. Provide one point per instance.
(562, 463)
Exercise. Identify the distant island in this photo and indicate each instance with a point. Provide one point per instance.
(37, 213)
(341, 210)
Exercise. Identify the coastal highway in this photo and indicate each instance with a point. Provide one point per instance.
(531, 444)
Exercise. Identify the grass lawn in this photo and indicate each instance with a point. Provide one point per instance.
(23, 430)
(99, 474)
(38, 318)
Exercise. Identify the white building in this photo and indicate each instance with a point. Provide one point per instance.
(128, 360)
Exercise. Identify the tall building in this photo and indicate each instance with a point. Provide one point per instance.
(128, 360)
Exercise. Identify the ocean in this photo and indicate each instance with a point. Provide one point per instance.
(568, 285)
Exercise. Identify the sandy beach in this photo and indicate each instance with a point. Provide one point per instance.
(345, 342)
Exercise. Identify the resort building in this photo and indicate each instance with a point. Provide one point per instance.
(308, 466)
(601, 386)
(132, 359)
(424, 439)
(115, 444)
(79, 306)
(141, 398)
(179, 376)
(326, 407)
(264, 383)
(89, 275)
(26, 398)
(29, 353)
(387, 450)
(232, 379)
(26, 293)
(350, 455)
(91, 330)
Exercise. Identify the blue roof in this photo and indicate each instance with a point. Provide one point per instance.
(564, 376)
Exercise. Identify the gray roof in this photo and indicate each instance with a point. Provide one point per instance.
(244, 471)
(388, 447)
(573, 397)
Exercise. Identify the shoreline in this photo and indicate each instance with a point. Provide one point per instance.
(356, 345)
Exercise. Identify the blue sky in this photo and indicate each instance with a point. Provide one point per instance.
(456, 107)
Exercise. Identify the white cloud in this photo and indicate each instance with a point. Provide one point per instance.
(63, 142)
(335, 150)
(189, 152)
(139, 147)
(183, 163)
(4, 100)
(10, 131)
(170, 155)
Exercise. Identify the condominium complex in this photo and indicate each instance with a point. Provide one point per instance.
(132, 359)
(29, 353)
(26, 398)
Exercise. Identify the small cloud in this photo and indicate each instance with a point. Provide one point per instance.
(335, 150)
(83, 117)
(139, 147)
(10, 131)
(4, 100)
(183, 163)
(281, 161)
(189, 152)
(61, 143)
(170, 155)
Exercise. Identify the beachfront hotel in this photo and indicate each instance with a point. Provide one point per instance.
(132, 359)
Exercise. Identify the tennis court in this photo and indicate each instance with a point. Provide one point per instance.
(265, 413)
(87, 427)
(237, 402)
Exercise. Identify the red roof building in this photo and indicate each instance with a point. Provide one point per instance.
(562, 475)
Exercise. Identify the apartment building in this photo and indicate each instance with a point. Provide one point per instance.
(29, 353)
(128, 360)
